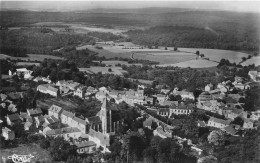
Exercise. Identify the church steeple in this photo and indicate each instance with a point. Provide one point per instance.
(105, 116)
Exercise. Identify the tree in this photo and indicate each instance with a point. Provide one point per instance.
(109, 70)
(249, 56)
(216, 137)
(202, 55)
(197, 53)
(243, 58)
(60, 149)
(166, 48)
(175, 49)
(238, 121)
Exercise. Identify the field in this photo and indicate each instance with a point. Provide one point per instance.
(38, 153)
(31, 57)
(254, 60)
(167, 57)
(193, 64)
(103, 70)
(115, 62)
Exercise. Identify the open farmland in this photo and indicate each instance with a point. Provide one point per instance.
(193, 64)
(253, 60)
(40, 155)
(32, 57)
(115, 62)
(104, 70)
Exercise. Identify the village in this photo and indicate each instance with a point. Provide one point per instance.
(91, 133)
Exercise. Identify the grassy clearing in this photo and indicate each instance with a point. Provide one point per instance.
(104, 70)
(27, 149)
(193, 64)
(254, 60)
(115, 62)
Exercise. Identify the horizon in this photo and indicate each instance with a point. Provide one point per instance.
(233, 6)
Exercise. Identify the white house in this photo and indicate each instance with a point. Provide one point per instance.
(80, 91)
(218, 123)
(8, 134)
(48, 89)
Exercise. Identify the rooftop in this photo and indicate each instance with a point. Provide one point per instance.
(85, 144)
(217, 120)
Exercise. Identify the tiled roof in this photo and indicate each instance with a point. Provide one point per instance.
(161, 131)
(230, 129)
(170, 103)
(34, 111)
(42, 87)
(85, 144)
(27, 124)
(81, 121)
(24, 115)
(217, 120)
(40, 118)
(148, 121)
(62, 131)
(15, 96)
(55, 109)
(94, 119)
(202, 123)
(164, 110)
(52, 89)
(14, 117)
(29, 119)
(68, 114)
(3, 96)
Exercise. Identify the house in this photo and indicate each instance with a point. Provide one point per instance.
(80, 91)
(55, 111)
(13, 119)
(201, 123)
(254, 75)
(208, 87)
(8, 134)
(149, 100)
(39, 120)
(34, 112)
(218, 123)
(24, 116)
(3, 97)
(12, 108)
(51, 122)
(48, 89)
(161, 132)
(90, 90)
(132, 100)
(64, 89)
(230, 130)
(149, 122)
(170, 103)
(87, 147)
(26, 73)
(66, 133)
(101, 95)
(160, 98)
(214, 91)
(164, 112)
(14, 96)
(79, 123)
(204, 97)
(184, 94)
(165, 91)
(28, 126)
(181, 109)
(255, 115)
(248, 124)
(66, 117)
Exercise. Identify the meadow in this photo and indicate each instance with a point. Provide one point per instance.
(193, 64)
(104, 70)
(254, 60)
(32, 57)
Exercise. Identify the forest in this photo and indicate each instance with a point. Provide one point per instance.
(172, 27)
(191, 37)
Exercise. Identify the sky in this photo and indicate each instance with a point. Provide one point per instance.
(239, 6)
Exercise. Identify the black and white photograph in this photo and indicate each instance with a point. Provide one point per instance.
(119, 81)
